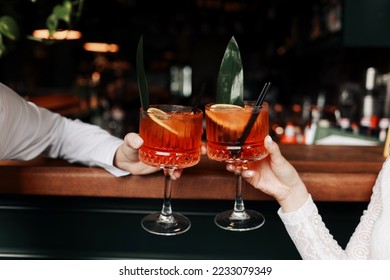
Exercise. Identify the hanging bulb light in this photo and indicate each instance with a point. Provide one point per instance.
(101, 47)
(58, 35)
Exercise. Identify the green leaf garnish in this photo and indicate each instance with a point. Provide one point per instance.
(9, 28)
(230, 85)
(141, 76)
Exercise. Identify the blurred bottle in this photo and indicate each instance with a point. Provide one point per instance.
(384, 127)
(348, 105)
(289, 135)
(369, 120)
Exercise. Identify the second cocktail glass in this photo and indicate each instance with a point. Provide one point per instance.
(172, 137)
(229, 140)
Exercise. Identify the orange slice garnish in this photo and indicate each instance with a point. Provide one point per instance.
(160, 117)
(226, 107)
(229, 115)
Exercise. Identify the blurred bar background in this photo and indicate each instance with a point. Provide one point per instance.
(317, 54)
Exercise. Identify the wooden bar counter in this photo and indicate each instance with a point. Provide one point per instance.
(331, 173)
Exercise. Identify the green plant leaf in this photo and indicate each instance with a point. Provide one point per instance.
(9, 28)
(52, 24)
(63, 11)
(60, 12)
(67, 4)
(230, 85)
(141, 76)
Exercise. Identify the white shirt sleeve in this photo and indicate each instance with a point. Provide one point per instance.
(27, 131)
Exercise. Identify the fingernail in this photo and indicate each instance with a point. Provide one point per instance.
(249, 173)
(138, 141)
(230, 167)
(268, 139)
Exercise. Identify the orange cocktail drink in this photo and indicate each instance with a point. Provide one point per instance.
(172, 136)
(236, 135)
(227, 124)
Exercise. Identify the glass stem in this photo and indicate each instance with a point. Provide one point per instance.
(239, 212)
(167, 208)
(239, 202)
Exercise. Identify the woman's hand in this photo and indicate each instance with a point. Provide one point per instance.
(275, 176)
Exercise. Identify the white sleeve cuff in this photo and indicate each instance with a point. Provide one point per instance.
(300, 214)
(108, 160)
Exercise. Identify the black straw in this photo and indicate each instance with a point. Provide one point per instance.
(255, 113)
(262, 95)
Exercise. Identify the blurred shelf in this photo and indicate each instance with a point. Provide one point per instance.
(63, 104)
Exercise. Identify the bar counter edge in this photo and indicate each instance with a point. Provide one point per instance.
(331, 173)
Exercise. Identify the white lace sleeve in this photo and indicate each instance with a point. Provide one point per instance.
(314, 241)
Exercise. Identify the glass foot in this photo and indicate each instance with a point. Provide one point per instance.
(239, 221)
(166, 225)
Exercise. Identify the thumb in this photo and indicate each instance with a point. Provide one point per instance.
(133, 140)
(132, 143)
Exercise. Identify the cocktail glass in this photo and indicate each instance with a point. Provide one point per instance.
(172, 140)
(225, 126)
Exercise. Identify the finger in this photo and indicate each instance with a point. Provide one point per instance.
(248, 174)
(176, 174)
(230, 167)
(273, 150)
(203, 149)
(139, 168)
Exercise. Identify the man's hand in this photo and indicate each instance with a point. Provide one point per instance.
(127, 158)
